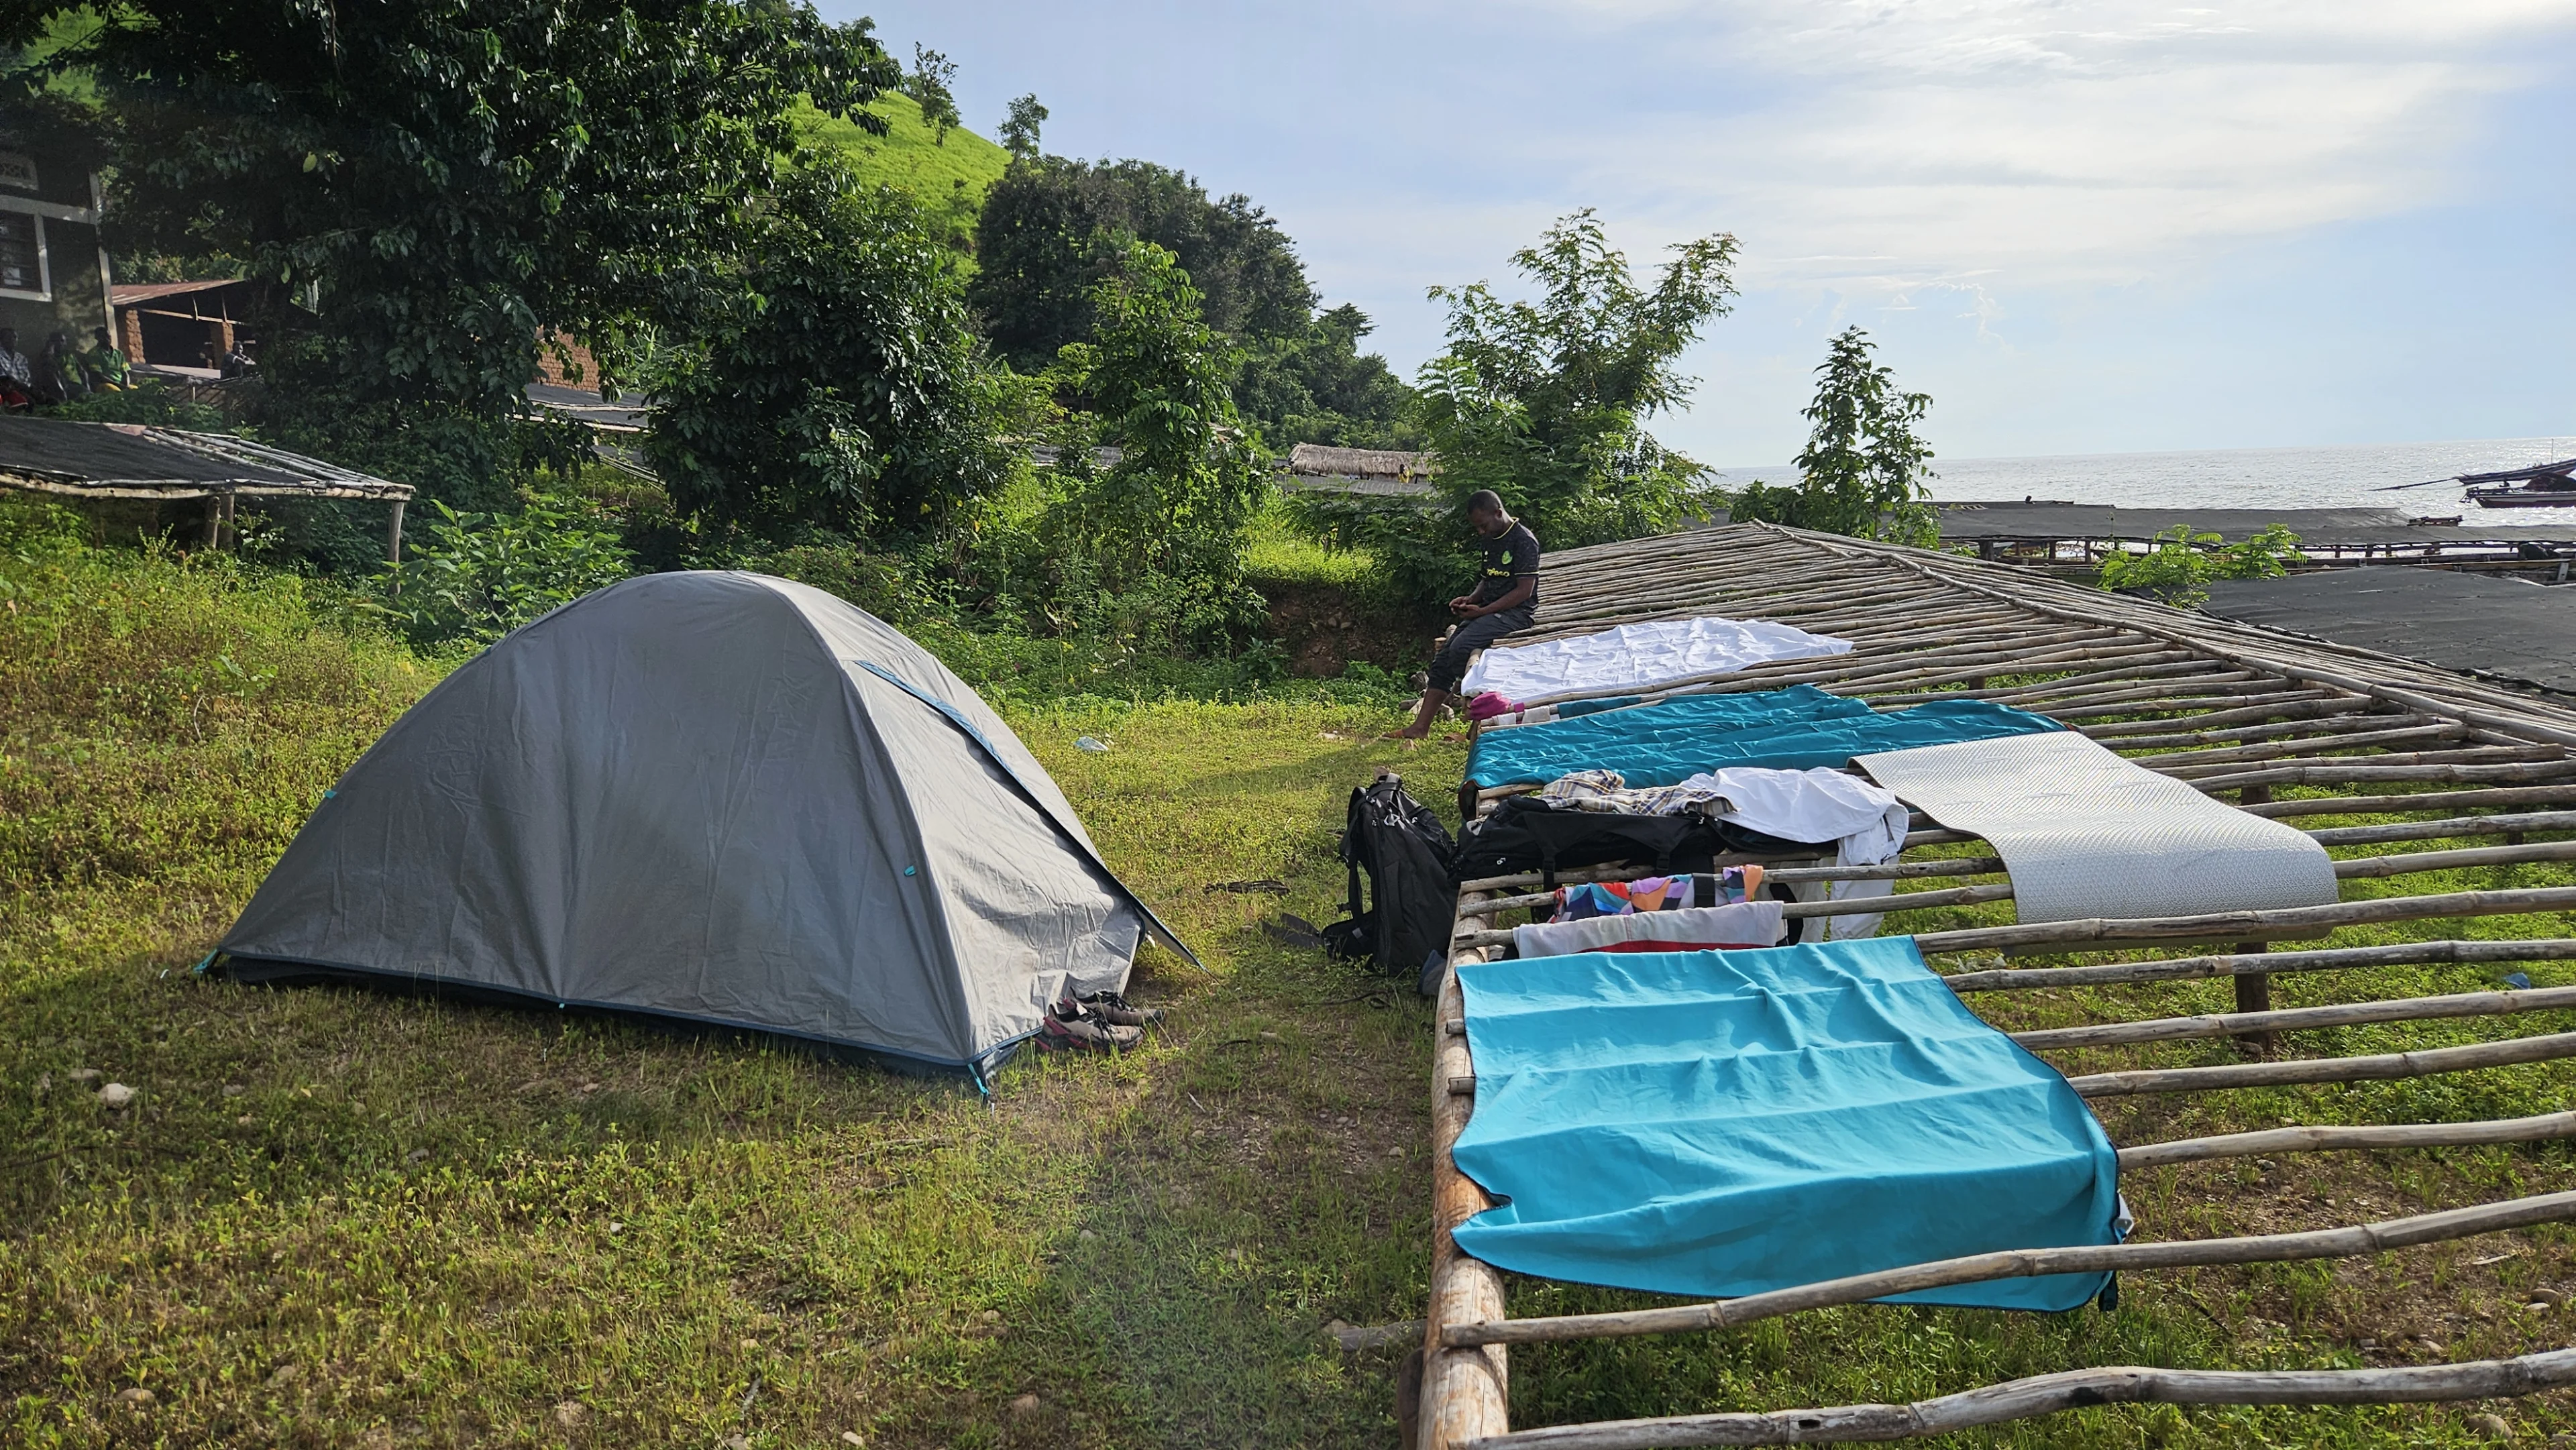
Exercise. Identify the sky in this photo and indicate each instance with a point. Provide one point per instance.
(2082, 226)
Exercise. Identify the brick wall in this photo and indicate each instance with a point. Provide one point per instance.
(583, 373)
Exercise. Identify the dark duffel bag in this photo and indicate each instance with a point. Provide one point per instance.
(1526, 833)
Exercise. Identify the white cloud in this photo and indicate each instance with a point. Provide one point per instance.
(2057, 142)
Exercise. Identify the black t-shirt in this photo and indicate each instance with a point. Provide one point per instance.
(1507, 558)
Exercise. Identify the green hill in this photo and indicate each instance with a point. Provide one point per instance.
(950, 179)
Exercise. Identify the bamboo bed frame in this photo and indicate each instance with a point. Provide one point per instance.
(2234, 710)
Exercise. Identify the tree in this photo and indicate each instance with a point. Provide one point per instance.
(1862, 471)
(844, 388)
(928, 85)
(430, 186)
(1545, 401)
(1020, 128)
(1315, 386)
(1052, 230)
(1167, 521)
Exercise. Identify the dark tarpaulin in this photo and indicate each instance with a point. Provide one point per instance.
(2458, 621)
(68, 457)
(1963, 522)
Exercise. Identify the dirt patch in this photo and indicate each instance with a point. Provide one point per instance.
(1324, 629)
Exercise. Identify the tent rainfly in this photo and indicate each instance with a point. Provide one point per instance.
(717, 798)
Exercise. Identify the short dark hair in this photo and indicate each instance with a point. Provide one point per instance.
(1484, 501)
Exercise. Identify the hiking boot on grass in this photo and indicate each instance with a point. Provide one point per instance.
(1112, 1008)
(1086, 1033)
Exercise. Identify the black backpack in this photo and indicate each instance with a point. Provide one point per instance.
(1405, 851)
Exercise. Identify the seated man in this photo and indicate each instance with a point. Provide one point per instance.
(1503, 600)
(104, 364)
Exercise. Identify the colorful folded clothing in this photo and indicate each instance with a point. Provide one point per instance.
(1742, 925)
(1657, 893)
(1607, 791)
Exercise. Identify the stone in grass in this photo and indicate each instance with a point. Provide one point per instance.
(115, 1095)
(1025, 1406)
(571, 1415)
(135, 1397)
(2493, 1427)
(852, 1437)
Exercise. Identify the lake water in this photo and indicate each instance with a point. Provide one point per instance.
(2338, 477)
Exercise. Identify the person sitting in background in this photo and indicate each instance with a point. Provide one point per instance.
(104, 365)
(58, 374)
(1505, 599)
(15, 374)
(238, 363)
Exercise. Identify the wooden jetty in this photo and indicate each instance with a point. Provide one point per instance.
(2478, 773)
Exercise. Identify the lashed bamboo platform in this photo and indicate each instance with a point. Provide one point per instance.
(2238, 712)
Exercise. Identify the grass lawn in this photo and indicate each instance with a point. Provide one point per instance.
(338, 1218)
(949, 177)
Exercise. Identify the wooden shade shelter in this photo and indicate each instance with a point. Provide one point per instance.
(2481, 774)
(132, 461)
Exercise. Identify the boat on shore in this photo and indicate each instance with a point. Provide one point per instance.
(2544, 485)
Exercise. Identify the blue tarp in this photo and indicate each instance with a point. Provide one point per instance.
(1723, 1123)
(1793, 729)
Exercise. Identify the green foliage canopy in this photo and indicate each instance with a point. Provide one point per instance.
(1054, 229)
(1020, 127)
(1169, 516)
(1544, 401)
(2180, 565)
(928, 85)
(1861, 473)
(428, 186)
(843, 386)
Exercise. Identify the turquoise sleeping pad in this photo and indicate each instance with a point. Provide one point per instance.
(1723, 1123)
(1793, 729)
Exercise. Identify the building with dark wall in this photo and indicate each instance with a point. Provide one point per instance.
(53, 270)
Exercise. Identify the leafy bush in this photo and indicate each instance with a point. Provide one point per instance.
(844, 388)
(477, 576)
(2182, 562)
(1149, 550)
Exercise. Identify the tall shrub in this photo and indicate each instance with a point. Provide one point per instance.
(1545, 401)
(1862, 471)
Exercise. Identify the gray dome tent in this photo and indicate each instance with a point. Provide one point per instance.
(716, 797)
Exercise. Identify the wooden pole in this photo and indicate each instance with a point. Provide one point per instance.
(2074, 1389)
(2333, 1243)
(2179, 969)
(2287, 922)
(2253, 995)
(2294, 1019)
(2548, 1047)
(2309, 1140)
(1465, 1392)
